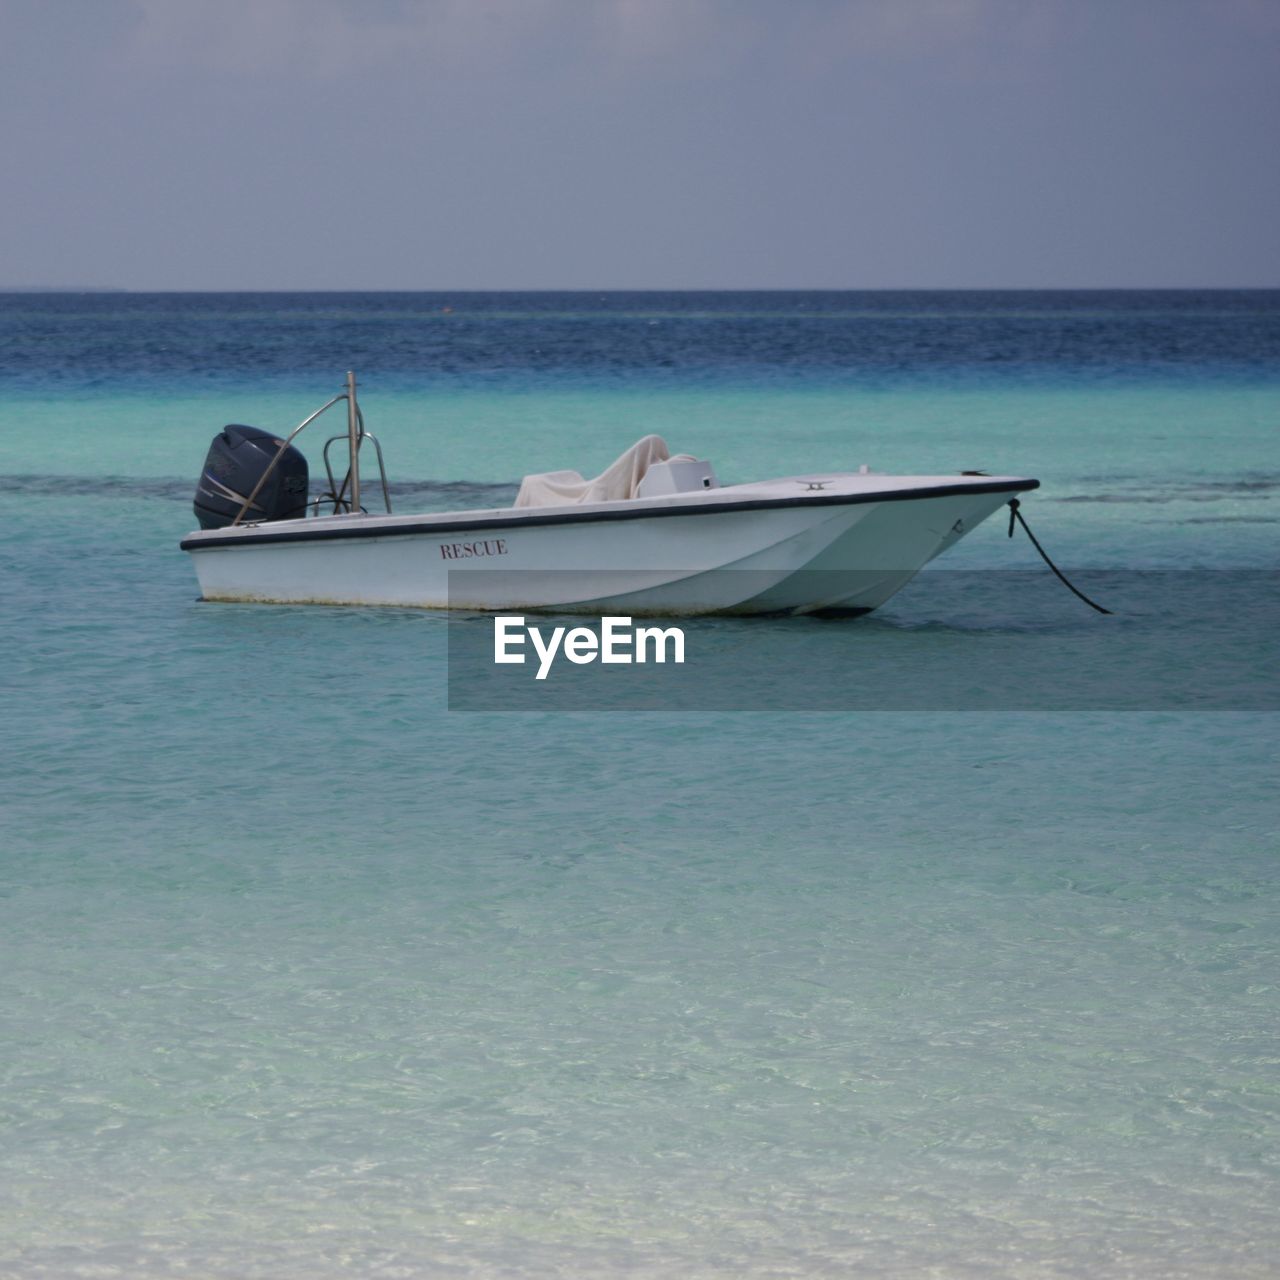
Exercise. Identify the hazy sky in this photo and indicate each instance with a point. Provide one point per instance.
(419, 144)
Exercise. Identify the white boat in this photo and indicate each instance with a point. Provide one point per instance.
(653, 535)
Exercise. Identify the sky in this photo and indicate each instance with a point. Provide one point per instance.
(645, 144)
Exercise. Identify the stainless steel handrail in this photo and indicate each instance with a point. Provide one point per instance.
(336, 494)
(353, 441)
(356, 434)
(284, 444)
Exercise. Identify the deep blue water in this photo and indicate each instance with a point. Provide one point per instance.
(543, 339)
(303, 974)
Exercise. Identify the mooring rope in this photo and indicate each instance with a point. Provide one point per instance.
(1016, 517)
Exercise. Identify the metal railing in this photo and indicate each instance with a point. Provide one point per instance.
(355, 436)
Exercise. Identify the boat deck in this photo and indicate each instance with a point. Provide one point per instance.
(816, 490)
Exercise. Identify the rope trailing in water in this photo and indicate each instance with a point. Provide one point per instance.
(1016, 517)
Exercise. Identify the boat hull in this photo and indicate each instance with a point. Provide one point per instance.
(738, 554)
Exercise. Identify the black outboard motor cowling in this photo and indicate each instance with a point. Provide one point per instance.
(237, 459)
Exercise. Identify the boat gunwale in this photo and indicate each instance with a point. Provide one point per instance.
(444, 523)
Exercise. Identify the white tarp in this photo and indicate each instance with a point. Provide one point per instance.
(568, 488)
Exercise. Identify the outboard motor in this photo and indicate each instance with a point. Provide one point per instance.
(237, 460)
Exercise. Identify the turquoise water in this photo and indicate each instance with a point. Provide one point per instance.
(305, 975)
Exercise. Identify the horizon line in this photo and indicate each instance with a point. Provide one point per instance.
(602, 289)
